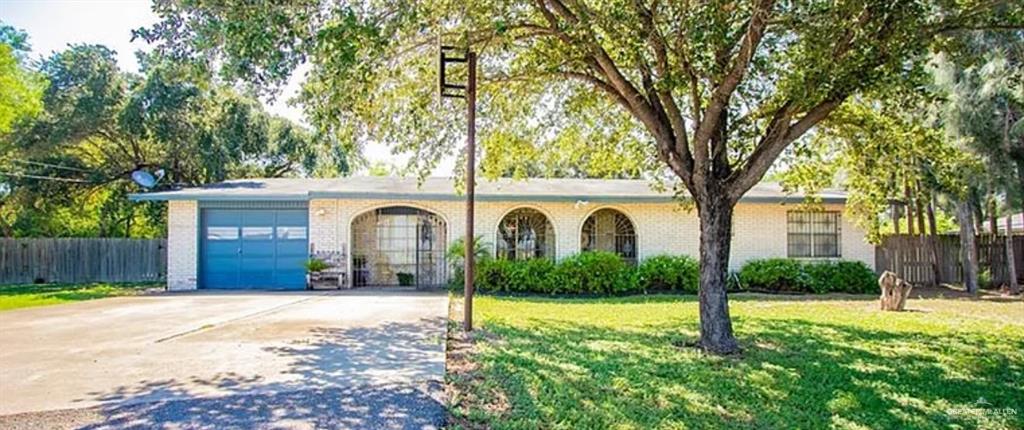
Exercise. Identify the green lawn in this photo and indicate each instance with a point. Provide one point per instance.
(24, 296)
(808, 363)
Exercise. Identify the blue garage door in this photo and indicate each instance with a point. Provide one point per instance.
(254, 248)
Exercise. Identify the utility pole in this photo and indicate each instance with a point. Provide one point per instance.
(468, 92)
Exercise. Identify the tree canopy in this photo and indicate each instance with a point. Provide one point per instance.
(20, 88)
(67, 170)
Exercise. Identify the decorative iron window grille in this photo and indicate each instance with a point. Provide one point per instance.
(813, 234)
(611, 231)
(524, 234)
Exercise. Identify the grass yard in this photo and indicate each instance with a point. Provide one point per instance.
(809, 362)
(24, 296)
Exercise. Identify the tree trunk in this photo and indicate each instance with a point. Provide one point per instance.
(715, 238)
(920, 211)
(934, 242)
(895, 218)
(910, 210)
(979, 216)
(1011, 264)
(993, 220)
(894, 292)
(968, 257)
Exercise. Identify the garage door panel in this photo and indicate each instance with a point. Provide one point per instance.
(222, 248)
(291, 248)
(289, 264)
(292, 217)
(254, 248)
(223, 217)
(291, 278)
(258, 249)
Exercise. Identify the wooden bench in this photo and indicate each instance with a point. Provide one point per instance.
(336, 274)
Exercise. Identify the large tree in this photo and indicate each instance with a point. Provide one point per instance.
(99, 124)
(20, 88)
(717, 89)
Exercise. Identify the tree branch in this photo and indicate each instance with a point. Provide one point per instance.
(720, 96)
(777, 137)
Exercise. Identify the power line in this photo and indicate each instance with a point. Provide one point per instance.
(38, 163)
(47, 178)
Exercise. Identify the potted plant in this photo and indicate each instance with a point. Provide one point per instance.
(313, 268)
(406, 279)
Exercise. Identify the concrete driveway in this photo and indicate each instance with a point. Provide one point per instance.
(356, 359)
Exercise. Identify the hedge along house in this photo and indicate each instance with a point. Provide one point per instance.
(255, 233)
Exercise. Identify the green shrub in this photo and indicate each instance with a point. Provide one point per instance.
(406, 279)
(985, 278)
(790, 275)
(668, 273)
(510, 276)
(493, 275)
(606, 273)
(456, 254)
(852, 277)
(594, 272)
(533, 275)
(315, 265)
(775, 275)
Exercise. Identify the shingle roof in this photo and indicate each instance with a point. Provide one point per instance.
(437, 188)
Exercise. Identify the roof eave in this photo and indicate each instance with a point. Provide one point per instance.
(172, 196)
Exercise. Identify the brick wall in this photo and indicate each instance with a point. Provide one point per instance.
(182, 246)
(662, 228)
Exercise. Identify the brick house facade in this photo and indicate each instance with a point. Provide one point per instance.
(762, 224)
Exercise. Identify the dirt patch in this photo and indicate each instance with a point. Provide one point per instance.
(952, 292)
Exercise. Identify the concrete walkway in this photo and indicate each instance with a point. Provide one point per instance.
(295, 360)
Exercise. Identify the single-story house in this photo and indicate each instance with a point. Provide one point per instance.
(256, 233)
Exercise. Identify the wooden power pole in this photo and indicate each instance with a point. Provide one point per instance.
(468, 92)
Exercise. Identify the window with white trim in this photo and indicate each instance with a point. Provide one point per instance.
(813, 234)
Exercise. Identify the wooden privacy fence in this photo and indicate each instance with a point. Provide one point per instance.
(82, 260)
(927, 260)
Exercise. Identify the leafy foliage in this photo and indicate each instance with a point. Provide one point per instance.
(315, 265)
(21, 89)
(594, 272)
(456, 255)
(68, 169)
(775, 274)
(516, 276)
(790, 275)
(668, 273)
(603, 273)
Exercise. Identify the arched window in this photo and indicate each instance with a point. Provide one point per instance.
(612, 231)
(524, 234)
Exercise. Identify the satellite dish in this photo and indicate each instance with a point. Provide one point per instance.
(146, 179)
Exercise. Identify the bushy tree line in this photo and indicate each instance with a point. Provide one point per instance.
(84, 125)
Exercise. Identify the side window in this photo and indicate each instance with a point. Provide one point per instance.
(813, 234)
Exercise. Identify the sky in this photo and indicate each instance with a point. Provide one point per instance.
(52, 25)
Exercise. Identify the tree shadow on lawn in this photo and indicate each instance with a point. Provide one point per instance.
(338, 384)
(793, 374)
